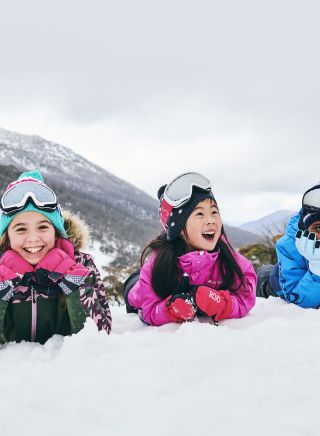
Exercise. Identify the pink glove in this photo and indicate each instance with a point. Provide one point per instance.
(65, 245)
(57, 260)
(180, 308)
(12, 269)
(217, 304)
(13, 265)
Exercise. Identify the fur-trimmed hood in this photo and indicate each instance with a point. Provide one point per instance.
(77, 230)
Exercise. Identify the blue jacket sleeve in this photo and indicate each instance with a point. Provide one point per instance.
(298, 284)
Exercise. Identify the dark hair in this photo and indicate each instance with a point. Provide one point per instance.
(166, 275)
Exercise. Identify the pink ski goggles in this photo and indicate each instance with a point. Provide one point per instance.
(17, 196)
(179, 191)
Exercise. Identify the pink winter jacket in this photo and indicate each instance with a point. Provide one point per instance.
(203, 269)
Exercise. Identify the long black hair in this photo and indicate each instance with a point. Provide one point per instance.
(166, 275)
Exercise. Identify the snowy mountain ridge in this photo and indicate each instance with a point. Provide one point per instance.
(32, 151)
(122, 217)
(274, 223)
(41, 153)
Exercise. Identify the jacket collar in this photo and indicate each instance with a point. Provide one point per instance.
(194, 254)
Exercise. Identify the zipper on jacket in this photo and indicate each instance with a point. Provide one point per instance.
(33, 313)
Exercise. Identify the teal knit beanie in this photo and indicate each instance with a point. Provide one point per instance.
(55, 216)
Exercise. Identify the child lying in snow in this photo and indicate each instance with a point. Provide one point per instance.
(193, 270)
(296, 277)
(47, 286)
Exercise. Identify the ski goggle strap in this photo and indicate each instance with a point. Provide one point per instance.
(311, 198)
(179, 191)
(165, 210)
(17, 196)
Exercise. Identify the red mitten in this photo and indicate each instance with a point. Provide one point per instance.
(180, 308)
(13, 265)
(213, 303)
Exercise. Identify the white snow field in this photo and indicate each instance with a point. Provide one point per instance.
(259, 375)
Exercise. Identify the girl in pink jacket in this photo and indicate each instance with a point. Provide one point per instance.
(190, 269)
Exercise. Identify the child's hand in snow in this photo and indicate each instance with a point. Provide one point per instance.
(213, 303)
(181, 308)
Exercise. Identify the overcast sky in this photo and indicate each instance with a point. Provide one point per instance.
(149, 89)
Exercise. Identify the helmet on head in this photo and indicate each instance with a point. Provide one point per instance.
(178, 199)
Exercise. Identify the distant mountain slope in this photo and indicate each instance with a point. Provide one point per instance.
(119, 214)
(274, 223)
(240, 237)
(121, 217)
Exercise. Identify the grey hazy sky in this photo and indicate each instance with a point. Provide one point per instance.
(149, 89)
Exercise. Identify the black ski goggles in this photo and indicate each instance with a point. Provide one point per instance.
(179, 191)
(19, 194)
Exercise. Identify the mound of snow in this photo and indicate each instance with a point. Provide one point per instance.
(255, 376)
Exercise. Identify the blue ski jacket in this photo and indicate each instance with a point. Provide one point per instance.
(298, 284)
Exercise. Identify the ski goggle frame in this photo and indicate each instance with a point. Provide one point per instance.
(179, 191)
(20, 193)
(311, 200)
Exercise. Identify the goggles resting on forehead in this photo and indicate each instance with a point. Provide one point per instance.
(18, 195)
(311, 199)
(179, 191)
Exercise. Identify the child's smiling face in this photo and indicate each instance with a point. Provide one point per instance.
(203, 227)
(315, 228)
(31, 235)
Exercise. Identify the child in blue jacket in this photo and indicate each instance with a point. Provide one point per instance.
(298, 251)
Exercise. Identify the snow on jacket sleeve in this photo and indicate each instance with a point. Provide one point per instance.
(298, 284)
(245, 297)
(143, 297)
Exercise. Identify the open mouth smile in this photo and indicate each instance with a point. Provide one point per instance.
(33, 250)
(208, 236)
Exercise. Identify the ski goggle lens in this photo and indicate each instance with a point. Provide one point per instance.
(16, 197)
(179, 190)
(312, 199)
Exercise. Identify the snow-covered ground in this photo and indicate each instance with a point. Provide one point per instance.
(255, 376)
(101, 259)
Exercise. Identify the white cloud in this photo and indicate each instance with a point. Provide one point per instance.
(148, 90)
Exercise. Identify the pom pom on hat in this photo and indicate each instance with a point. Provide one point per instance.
(31, 175)
(161, 191)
